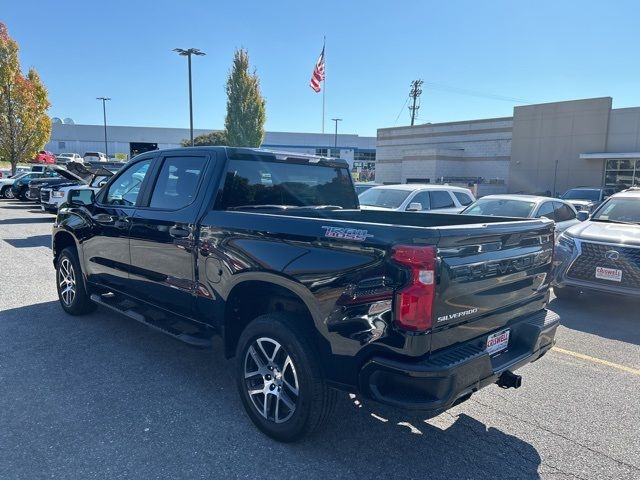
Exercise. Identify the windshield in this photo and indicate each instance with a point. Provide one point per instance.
(383, 197)
(501, 207)
(623, 210)
(591, 194)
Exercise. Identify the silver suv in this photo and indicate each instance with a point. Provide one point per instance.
(602, 253)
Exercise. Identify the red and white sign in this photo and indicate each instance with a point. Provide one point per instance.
(611, 274)
(497, 342)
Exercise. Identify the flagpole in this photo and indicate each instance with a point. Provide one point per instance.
(324, 81)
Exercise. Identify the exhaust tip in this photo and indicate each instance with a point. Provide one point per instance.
(509, 380)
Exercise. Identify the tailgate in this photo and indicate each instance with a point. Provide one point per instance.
(489, 274)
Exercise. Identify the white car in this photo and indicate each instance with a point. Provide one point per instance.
(52, 197)
(63, 158)
(414, 197)
(95, 157)
(526, 206)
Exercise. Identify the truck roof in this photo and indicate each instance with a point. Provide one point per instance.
(245, 153)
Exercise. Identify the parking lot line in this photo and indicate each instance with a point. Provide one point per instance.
(589, 358)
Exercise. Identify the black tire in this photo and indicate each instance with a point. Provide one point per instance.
(315, 400)
(72, 292)
(3, 191)
(566, 293)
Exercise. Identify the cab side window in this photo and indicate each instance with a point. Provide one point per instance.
(563, 212)
(546, 210)
(125, 189)
(423, 199)
(463, 198)
(177, 182)
(441, 199)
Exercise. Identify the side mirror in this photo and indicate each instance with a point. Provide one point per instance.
(414, 207)
(582, 215)
(81, 198)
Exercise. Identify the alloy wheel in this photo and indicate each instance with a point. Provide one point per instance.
(8, 193)
(271, 380)
(67, 281)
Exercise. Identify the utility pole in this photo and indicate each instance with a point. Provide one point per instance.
(415, 93)
(104, 116)
(187, 53)
(335, 136)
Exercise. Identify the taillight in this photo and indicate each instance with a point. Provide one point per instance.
(414, 302)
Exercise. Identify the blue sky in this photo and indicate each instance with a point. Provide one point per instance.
(472, 55)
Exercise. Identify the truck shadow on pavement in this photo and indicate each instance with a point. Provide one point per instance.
(25, 221)
(122, 399)
(608, 316)
(29, 242)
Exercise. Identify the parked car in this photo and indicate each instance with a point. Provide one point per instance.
(73, 174)
(51, 197)
(5, 173)
(5, 185)
(587, 198)
(20, 187)
(44, 157)
(64, 158)
(364, 186)
(414, 197)
(526, 206)
(602, 253)
(95, 157)
(308, 292)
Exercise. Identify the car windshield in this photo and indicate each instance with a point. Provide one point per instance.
(619, 210)
(501, 207)
(383, 197)
(591, 194)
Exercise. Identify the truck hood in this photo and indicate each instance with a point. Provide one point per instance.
(617, 233)
(47, 182)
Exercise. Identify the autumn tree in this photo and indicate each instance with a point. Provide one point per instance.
(25, 125)
(244, 124)
(216, 138)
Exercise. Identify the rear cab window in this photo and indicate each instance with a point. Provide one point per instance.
(441, 199)
(463, 198)
(254, 183)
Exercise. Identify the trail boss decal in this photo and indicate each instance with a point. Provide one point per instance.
(453, 316)
(346, 233)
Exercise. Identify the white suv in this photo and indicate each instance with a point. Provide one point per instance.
(95, 157)
(414, 197)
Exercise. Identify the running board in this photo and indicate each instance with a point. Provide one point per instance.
(111, 302)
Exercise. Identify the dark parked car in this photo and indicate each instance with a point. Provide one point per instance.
(73, 174)
(20, 187)
(309, 293)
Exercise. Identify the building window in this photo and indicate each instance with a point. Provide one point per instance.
(335, 153)
(365, 157)
(622, 173)
(322, 152)
(62, 145)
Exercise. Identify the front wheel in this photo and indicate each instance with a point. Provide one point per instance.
(72, 293)
(279, 379)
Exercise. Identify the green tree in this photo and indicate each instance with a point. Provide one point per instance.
(25, 125)
(217, 138)
(246, 114)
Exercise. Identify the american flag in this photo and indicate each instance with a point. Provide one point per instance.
(318, 73)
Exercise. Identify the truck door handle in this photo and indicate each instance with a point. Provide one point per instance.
(178, 232)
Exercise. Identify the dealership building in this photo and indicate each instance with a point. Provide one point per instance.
(126, 142)
(541, 148)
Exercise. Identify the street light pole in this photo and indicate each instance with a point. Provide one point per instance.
(187, 53)
(335, 136)
(104, 116)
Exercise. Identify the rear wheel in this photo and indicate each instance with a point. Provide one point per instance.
(4, 191)
(72, 293)
(279, 379)
(566, 293)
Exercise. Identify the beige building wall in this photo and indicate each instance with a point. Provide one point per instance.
(558, 132)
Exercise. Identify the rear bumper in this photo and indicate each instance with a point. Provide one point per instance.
(453, 374)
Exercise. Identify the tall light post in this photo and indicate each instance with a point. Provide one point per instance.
(104, 116)
(335, 135)
(187, 53)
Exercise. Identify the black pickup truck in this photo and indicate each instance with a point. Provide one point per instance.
(309, 293)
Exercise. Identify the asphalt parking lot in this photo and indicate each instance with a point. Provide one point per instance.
(104, 397)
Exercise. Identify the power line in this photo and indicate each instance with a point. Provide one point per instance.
(475, 93)
(401, 110)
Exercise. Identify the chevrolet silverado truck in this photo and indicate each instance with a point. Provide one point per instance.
(309, 293)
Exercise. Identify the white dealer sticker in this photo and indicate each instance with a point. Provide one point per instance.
(611, 274)
(497, 342)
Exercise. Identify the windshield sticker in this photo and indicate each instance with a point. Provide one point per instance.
(346, 233)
